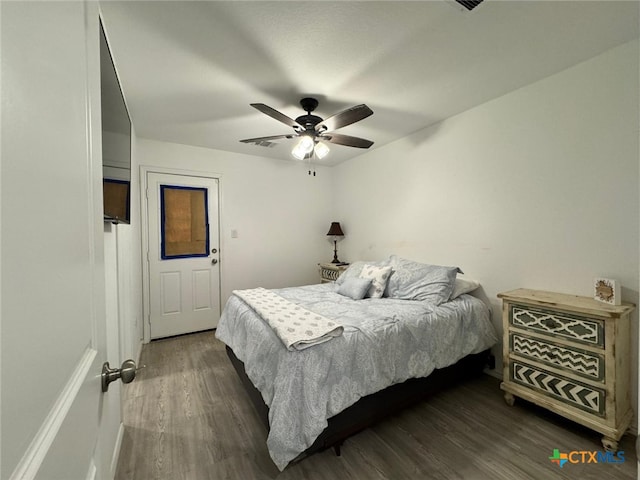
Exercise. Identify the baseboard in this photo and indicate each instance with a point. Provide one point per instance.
(494, 373)
(116, 451)
(139, 352)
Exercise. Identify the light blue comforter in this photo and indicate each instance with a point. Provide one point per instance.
(385, 341)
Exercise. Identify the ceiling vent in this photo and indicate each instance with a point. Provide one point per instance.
(469, 4)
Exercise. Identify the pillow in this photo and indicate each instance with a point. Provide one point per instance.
(379, 276)
(463, 285)
(420, 281)
(355, 288)
(353, 270)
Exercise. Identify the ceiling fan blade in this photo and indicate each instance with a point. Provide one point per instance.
(266, 139)
(346, 140)
(344, 118)
(273, 113)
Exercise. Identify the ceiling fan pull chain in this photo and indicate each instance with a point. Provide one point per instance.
(311, 155)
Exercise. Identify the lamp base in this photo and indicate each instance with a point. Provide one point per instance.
(335, 252)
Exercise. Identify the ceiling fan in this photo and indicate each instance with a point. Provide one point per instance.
(311, 129)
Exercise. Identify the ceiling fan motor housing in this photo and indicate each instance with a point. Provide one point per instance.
(308, 121)
(309, 104)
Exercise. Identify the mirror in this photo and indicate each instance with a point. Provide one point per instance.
(116, 140)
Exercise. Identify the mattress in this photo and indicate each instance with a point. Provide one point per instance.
(385, 341)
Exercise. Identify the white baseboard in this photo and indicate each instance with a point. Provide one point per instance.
(138, 352)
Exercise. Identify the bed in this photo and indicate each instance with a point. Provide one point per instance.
(317, 395)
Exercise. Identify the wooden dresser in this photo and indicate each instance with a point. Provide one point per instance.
(571, 355)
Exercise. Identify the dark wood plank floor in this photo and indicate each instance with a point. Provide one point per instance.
(188, 417)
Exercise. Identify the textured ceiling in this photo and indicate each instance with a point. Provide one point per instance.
(189, 70)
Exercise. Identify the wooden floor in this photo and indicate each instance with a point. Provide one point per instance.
(188, 417)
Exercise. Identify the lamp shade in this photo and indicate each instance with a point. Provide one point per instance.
(335, 230)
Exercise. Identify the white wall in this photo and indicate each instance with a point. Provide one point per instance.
(281, 213)
(535, 189)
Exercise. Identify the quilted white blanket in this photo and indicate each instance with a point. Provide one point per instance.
(297, 327)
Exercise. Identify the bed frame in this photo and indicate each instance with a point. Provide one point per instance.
(377, 406)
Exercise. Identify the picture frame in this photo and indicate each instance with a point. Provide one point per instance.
(607, 290)
(116, 200)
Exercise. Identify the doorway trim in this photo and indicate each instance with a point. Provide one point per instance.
(144, 233)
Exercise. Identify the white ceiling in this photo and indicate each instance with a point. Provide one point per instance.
(189, 70)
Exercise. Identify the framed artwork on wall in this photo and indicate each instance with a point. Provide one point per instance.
(607, 290)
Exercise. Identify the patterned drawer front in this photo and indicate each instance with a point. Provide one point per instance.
(566, 391)
(581, 362)
(329, 274)
(573, 327)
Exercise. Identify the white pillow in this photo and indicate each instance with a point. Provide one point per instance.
(353, 271)
(462, 285)
(379, 277)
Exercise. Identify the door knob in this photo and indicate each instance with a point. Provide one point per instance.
(126, 373)
(214, 261)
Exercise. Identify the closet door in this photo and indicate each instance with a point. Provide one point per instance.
(183, 252)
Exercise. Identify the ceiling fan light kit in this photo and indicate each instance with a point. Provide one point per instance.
(307, 147)
(310, 129)
(320, 150)
(303, 148)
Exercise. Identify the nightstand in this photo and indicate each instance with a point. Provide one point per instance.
(571, 355)
(329, 272)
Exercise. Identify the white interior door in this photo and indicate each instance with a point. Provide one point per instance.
(183, 253)
(53, 341)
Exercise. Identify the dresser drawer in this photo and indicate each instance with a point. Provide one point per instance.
(587, 364)
(559, 324)
(562, 389)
